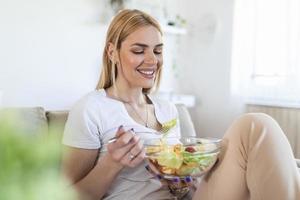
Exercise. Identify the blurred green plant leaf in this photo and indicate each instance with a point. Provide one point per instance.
(29, 165)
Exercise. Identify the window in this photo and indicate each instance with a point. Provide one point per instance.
(266, 51)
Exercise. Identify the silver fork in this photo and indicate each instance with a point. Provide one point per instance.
(164, 130)
(113, 139)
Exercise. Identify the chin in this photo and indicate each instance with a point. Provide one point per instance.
(148, 85)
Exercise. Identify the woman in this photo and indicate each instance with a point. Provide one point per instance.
(251, 163)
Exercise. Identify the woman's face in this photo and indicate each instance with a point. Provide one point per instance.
(140, 57)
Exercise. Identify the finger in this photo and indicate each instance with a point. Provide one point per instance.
(181, 183)
(120, 131)
(126, 159)
(137, 148)
(120, 152)
(176, 180)
(124, 139)
(138, 158)
(188, 180)
(128, 147)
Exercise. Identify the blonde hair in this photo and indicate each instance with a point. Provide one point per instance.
(124, 23)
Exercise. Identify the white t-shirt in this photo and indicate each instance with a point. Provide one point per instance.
(95, 118)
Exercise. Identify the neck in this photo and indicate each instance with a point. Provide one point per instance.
(133, 96)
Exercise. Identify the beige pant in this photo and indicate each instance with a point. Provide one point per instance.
(256, 163)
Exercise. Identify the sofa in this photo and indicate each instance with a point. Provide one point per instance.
(37, 120)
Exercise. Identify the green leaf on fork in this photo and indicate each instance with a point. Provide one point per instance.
(167, 126)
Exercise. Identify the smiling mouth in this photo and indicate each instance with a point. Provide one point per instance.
(149, 74)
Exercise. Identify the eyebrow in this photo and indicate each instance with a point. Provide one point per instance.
(145, 45)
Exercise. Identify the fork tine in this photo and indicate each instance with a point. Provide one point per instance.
(166, 127)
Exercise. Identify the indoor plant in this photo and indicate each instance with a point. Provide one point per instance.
(30, 165)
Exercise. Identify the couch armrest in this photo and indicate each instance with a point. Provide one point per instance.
(186, 125)
(31, 120)
(56, 121)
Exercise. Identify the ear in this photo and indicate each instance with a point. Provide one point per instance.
(112, 53)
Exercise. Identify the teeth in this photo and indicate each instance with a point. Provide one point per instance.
(146, 72)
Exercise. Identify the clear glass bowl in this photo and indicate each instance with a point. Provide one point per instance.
(182, 157)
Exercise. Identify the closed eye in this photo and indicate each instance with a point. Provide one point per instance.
(138, 52)
(158, 52)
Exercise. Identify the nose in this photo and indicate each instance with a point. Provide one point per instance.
(151, 59)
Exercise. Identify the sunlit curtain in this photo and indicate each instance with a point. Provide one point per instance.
(266, 51)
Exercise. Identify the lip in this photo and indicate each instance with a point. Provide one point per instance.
(147, 73)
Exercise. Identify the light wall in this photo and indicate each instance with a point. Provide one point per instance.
(50, 55)
(205, 63)
(50, 52)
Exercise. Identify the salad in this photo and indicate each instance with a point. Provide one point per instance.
(182, 159)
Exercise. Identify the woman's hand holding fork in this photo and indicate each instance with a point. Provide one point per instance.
(127, 149)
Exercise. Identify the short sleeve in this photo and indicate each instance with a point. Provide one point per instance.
(82, 128)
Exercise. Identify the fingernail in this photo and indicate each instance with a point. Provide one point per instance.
(176, 180)
(158, 176)
(147, 167)
(188, 179)
(132, 129)
(121, 127)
